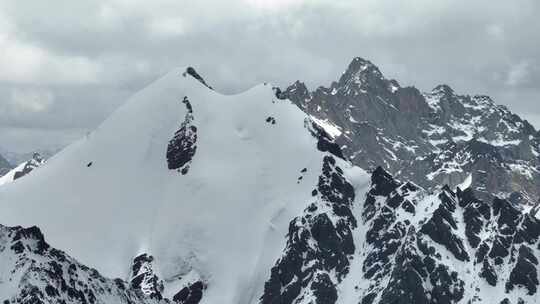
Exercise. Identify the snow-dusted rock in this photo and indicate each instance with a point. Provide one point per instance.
(433, 138)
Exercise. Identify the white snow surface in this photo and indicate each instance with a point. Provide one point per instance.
(226, 220)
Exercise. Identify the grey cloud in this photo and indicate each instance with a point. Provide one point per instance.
(119, 46)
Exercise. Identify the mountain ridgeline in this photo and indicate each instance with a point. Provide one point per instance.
(433, 138)
(253, 198)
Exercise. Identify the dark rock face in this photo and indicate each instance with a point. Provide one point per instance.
(183, 145)
(525, 272)
(319, 244)
(431, 138)
(442, 226)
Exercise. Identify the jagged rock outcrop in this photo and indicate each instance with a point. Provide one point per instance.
(183, 145)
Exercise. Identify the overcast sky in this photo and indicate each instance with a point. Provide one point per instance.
(65, 65)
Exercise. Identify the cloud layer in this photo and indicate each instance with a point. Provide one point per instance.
(65, 65)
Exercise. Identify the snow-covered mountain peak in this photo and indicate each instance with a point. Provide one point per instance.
(204, 183)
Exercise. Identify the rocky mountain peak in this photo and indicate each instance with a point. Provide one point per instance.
(362, 75)
(433, 138)
(443, 89)
(361, 65)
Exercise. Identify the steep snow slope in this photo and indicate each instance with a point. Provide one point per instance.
(205, 183)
